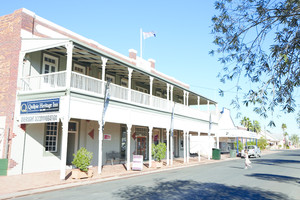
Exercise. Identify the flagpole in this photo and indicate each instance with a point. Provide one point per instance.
(141, 43)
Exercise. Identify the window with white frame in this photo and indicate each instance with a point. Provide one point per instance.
(124, 82)
(158, 94)
(110, 77)
(141, 89)
(50, 64)
(51, 137)
(79, 69)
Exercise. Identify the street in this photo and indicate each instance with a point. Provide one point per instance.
(273, 176)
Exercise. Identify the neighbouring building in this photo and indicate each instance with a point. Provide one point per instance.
(52, 93)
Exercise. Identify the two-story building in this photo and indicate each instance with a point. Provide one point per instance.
(53, 84)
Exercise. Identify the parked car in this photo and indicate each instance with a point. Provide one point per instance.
(253, 150)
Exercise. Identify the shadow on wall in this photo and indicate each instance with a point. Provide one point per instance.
(278, 178)
(179, 189)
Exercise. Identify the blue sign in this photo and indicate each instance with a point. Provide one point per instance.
(40, 106)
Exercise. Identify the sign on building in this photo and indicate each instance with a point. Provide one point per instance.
(39, 111)
(40, 106)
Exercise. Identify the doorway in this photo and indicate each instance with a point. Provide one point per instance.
(141, 146)
(72, 141)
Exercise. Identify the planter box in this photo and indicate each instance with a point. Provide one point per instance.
(78, 174)
(156, 164)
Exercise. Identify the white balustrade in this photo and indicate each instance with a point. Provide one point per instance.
(159, 103)
(86, 83)
(118, 91)
(140, 97)
(44, 81)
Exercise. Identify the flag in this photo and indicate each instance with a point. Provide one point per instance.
(172, 120)
(149, 34)
(105, 103)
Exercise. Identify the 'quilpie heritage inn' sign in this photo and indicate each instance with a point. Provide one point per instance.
(39, 111)
(40, 106)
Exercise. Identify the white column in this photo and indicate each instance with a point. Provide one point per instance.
(104, 61)
(128, 146)
(184, 146)
(217, 140)
(151, 90)
(208, 106)
(198, 102)
(199, 147)
(171, 154)
(69, 48)
(168, 146)
(188, 147)
(64, 146)
(187, 98)
(100, 140)
(150, 146)
(184, 92)
(168, 93)
(20, 69)
(129, 83)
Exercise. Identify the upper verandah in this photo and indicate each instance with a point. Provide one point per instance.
(46, 30)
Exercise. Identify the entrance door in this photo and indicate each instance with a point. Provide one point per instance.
(141, 146)
(72, 141)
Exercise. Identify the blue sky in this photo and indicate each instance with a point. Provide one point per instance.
(180, 48)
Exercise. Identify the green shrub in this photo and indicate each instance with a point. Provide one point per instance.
(159, 151)
(240, 146)
(82, 159)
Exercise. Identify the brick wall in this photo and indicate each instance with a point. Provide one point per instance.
(10, 44)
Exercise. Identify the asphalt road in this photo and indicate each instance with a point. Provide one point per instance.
(273, 176)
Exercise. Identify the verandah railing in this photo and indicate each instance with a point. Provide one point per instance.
(94, 85)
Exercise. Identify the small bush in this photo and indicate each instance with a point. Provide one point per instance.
(82, 159)
(159, 151)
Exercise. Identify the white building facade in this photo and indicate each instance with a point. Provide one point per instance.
(59, 103)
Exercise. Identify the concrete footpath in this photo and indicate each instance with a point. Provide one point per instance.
(32, 183)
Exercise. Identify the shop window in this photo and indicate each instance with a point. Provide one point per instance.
(51, 137)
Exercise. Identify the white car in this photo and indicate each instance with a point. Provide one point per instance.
(253, 150)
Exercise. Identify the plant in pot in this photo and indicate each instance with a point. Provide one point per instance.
(159, 153)
(82, 159)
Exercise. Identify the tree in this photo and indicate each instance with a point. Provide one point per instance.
(295, 139)
(283, 126)
(262, 143)
(260, 40)
(286, 137)
(256, 126)
(246, 122)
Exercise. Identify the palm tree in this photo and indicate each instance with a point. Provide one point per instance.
(246, 123)
(256, 126)
(286, 136)
(284, 127)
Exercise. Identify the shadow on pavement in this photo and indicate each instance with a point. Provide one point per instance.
(273, 177)
(275, 161)
(179, 189)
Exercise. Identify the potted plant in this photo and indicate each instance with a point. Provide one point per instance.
(159, 153)
(82, 159)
